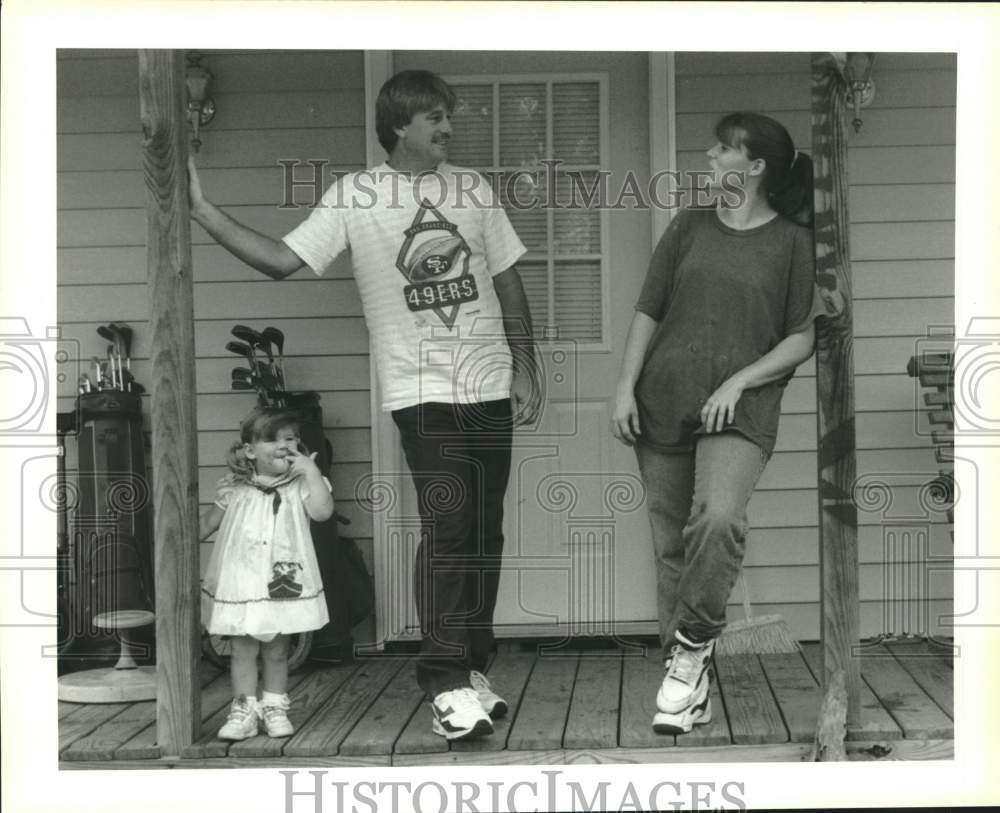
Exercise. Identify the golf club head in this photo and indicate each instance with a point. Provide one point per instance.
(275, 337)
(241, 349)
(248, 335)
(125, 334)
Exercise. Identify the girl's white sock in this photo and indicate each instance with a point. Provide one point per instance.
(272, 699)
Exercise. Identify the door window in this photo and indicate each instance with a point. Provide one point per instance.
(541, 141)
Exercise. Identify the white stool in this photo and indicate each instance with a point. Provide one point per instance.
(125, 682)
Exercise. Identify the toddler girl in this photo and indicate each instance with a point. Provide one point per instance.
(262, 582)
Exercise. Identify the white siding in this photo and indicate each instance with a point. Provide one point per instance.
(902, 200)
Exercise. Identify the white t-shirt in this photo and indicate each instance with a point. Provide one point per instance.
(424, 252)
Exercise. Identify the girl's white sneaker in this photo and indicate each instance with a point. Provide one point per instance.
(275, 717)
(241, 724)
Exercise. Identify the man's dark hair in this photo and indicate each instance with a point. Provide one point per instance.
(403, 96)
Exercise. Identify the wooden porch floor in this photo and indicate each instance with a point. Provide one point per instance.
(580, 706)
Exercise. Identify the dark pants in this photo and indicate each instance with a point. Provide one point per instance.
(459, 457)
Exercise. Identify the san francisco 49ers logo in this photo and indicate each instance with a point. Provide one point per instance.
(436, 266)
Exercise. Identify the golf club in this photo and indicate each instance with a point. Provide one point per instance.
(245, 350)
(275, 337)
(109, 333)
(99, 379)
(129, 383)
(264, 344)
(248, 335)
(115, 381)
(125, 341)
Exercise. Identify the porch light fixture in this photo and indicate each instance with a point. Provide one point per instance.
(856, 69)
(200, 106)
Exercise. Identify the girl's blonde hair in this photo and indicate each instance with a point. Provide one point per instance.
(262, 423)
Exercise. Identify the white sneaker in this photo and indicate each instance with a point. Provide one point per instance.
(275, 717)
(458, 715)
(685, 683)
(698, 713)
(493, 704)
(242, 721)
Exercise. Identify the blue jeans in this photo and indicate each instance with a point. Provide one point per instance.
(697, 503)
(459, 458)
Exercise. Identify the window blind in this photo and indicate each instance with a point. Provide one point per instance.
(506, 129)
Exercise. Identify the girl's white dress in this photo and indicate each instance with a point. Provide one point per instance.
(262, 578)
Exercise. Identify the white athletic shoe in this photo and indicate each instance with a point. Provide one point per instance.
(685, 683)
(458, 715)
(698, 713)
(275, 717)
(241, 724)
(493, 704)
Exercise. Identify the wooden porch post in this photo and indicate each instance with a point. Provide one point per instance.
(175, 451)
(835, 387)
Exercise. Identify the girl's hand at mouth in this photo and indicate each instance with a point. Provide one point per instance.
(300, 465)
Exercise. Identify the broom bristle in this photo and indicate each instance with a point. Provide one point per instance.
(760, 635)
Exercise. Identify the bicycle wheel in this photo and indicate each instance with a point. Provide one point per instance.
(218, 648)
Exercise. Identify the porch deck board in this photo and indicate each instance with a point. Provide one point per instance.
(323, 732)
(797, 693)
(593, 711)
(103, 741)
(65, 708)
(934, 674)
(541, 718)
(84, 720)
(750, 705)
(905, 700)
(381, 725)
(570, 707)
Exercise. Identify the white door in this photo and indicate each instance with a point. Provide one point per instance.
(577, 557)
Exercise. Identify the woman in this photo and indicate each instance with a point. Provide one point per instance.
(724, 318)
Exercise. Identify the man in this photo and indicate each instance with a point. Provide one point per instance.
(433, 256)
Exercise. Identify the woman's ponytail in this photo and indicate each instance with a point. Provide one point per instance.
(794, 198)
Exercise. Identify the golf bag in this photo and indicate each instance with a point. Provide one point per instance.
(346, 582)
(107, 562)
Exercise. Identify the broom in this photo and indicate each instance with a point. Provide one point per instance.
(755, 635)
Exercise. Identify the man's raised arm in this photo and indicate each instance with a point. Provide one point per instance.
(269, 256)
